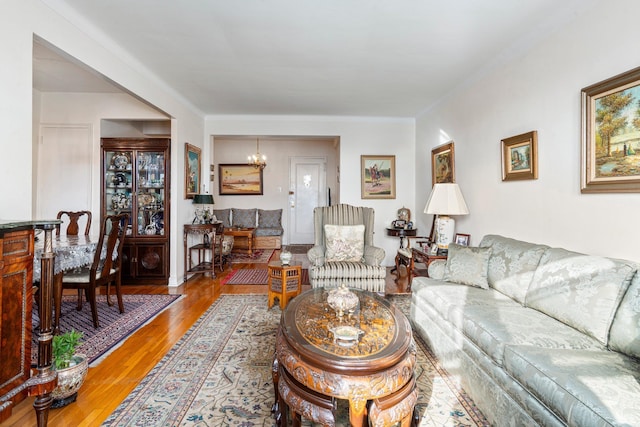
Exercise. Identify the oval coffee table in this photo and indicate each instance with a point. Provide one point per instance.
(377, 364)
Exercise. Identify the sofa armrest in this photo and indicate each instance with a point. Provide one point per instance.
(373, 255)
(436, 269)
(316, 255)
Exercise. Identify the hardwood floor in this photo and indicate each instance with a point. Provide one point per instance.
(114, 378)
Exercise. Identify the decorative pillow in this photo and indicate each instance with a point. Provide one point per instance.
(269, 219)
(244, 218)
(223, 215)
(344, 242)
(467, 265)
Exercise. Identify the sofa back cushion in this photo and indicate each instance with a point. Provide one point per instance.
(624, 335)
(270, 218)
(511, 264)
(344, 242)
(243, 218)
(223, 215)
(583, 291)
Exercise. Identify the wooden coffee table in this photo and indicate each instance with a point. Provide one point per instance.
(375, 366)
(242, 239)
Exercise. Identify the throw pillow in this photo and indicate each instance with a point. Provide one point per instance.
(467, 265)
(244, 218)
(344, 242)
(269, 219)
(223, 215)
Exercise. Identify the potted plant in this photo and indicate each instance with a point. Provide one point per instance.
(71, 368)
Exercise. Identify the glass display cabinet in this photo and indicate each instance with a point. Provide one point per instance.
(135, 181)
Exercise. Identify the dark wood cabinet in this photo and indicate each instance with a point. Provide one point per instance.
(136, 180)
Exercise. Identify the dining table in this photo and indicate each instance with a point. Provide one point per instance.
(71, 252)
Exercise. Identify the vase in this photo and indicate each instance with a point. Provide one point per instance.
(285, 257)
(69, 381)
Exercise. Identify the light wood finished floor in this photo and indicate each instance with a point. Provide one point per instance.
(115, 377)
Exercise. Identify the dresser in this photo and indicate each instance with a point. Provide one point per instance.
(17, 378)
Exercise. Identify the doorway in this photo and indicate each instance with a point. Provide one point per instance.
(307, 190)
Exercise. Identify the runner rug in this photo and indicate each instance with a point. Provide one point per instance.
(255, 276)
(114, 328)
(259, 256)
(219, 373)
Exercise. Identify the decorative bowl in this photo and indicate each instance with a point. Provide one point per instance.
(342, 300)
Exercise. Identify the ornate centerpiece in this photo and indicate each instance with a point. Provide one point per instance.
(342, 300)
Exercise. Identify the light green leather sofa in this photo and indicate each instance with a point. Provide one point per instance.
(536, 335)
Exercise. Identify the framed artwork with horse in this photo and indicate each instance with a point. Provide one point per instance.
(378, 177)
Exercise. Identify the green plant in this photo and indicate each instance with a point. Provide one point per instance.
(64, 347)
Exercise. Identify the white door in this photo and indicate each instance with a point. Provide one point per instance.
(307, 190)
(64, 170)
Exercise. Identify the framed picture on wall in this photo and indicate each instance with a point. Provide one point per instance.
(239, 179)
(520, 157)
(192, 168)
(443, 164)
(378, 177)
(610, 128)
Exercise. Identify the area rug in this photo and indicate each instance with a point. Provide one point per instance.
(259, 256)
(219, 373)
(255, 276)
(298, 249)
(114, 327)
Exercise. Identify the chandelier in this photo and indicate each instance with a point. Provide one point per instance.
(258, 161)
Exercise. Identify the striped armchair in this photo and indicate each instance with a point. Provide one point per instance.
(361, 269)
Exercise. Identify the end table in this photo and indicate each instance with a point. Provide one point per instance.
(285, 282)
(416, 256)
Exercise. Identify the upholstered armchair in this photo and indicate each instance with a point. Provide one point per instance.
(343, 250)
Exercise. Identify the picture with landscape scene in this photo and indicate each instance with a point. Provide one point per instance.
(240, 179)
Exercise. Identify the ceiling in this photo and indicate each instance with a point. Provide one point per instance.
(303, 57)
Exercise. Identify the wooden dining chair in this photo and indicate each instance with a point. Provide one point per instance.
(74, 217)
(105, 269)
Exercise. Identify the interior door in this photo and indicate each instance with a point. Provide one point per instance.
(307, 190)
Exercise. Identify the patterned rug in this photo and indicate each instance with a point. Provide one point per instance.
(255, 276)
(219, 373)
(114, 329)
(259, 256)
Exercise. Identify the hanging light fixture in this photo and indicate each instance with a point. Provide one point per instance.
(258, 161)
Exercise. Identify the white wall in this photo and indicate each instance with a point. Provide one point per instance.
(21, 20)
(539, 90)
(358, 136)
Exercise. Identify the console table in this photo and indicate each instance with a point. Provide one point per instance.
(205, 249)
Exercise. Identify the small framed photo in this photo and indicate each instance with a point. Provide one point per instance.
(520, 157)
(434, 249)
(462, 239)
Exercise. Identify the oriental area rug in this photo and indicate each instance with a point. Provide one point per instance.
(255, 276)
(219, 374)
(259, 256)
(114, 328)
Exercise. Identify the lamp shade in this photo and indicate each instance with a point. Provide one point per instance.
(446, 199)
(203, 199)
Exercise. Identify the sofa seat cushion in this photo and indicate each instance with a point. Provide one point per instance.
(276, 231)
(243, 218)
(493, 328)
(511, 264)
(580, 290)
(584, 388)
(449, 299)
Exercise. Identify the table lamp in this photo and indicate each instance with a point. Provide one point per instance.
(445, 200)
(203, 215)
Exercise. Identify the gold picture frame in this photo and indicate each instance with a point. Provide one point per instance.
(610, 161)
(443, 164)
(378, 177)
(520, 157)
(192, 168)
(239, 179)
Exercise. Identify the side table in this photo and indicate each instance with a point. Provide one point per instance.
(206, 250)
(285, 282)
(416, 256)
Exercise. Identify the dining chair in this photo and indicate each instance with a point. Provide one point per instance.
(106, 267)
(74, 217)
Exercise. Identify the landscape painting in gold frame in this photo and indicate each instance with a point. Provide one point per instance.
(611, 135)
(239, 179)
(520, 157)
(443, 164)
(378, 177)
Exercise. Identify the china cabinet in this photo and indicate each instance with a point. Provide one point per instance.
(135, 180)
